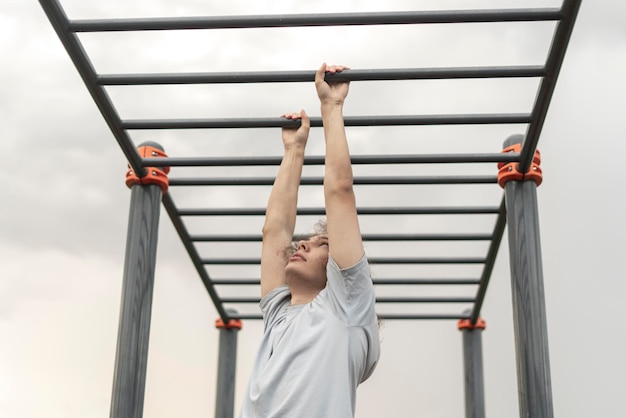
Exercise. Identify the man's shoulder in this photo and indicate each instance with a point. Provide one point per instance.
(275, 300)
(360, 266)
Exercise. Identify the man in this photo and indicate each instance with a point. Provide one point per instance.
(321, 331)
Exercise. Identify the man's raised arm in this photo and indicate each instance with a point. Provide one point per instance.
(280, 215)
(344, 235)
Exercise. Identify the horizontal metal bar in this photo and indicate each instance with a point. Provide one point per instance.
(307, 76)
(318, 181)
(372, 260)
(425, 317)
(378, 300)
(424, 300)
(420, 282)
(316, 19)
(377, 282)
(248, 317)
(227, 238)
(316, 122)
(236, 282)
(231, 261)
(427, 237)
(241, 300)
(427, 260)
(365, 237)
(383, 316)
(442, 210)
(319, 160)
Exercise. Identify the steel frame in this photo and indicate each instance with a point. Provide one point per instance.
(68, 30)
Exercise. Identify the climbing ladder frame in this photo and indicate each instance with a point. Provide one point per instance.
(150, 186)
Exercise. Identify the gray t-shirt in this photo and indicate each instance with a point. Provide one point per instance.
(313, 356)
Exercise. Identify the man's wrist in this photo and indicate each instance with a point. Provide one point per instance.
(332, 107)
(295, 149)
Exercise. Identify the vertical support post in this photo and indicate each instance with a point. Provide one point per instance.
(134, 327)
(225, 398)
(473, 367)
(529, 311)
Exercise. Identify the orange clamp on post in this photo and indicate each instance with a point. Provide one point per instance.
(508, 171)
(466, 324)
(154, 175)
(232, 324)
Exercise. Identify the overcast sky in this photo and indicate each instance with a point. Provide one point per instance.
(64, 210)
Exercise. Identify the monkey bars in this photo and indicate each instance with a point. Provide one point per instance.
(234, 305)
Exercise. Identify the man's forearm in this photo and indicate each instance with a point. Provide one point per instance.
(338, 169)
(280, 216)
(346, 245)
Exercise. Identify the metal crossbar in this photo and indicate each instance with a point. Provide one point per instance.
(308, 76)
(319, 160)
(533, 120)
(325, 19)
(316, 122)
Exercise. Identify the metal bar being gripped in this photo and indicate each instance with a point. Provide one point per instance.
(308, 76)
(316, 122)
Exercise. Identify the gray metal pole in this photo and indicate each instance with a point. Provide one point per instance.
(473, 366)
(134, 327)
(225, 399)
(529, 311)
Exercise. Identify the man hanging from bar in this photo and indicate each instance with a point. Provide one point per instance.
(321, 330)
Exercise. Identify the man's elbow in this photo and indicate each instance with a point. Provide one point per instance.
(339, 186)
(270, 230)
(275, 230)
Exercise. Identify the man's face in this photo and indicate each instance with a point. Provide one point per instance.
(308, 262)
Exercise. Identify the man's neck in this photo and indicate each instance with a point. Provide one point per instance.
(303, 296)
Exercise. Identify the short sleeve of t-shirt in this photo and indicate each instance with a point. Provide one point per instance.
(274, 305)
(350, 293)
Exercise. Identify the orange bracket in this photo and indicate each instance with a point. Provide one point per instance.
(466, 324)
(232, 324)
(508, 171)
(154, 175)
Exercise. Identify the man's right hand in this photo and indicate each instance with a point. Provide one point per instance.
(333, 93)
